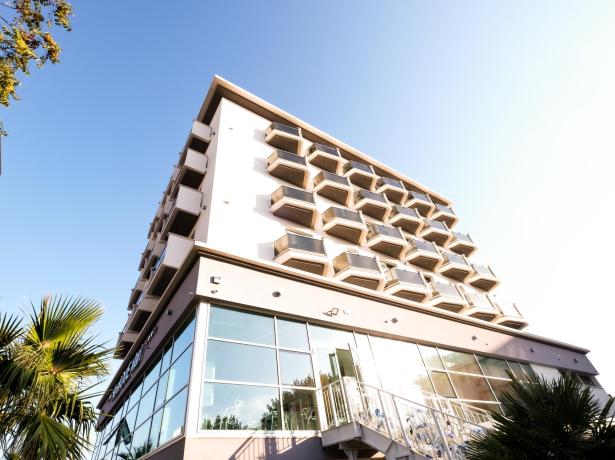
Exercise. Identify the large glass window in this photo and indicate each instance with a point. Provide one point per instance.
(442, 384)
(494, 367)
(238, 325)
(472, 387)
(296, 369)
(299, 409)
(459, 362)
(292, 334)
(173, 414)
(238, 362)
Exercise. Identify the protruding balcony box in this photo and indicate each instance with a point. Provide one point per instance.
(141, 312)
(360, 174)
(345, 224)
(407, 284)
(334, 187)
(303, 253)
(447, 296)
(199, 138)
(289, 167)
(167, 264)
(461, 243)
(510, 316)
(294, 204)
(423, 254)
(146, 253)
(393, 189)
(372, 204)
(408, 219)
(153, 257)
(182, 212)
(325, 157)
(444, 214)
(191, 170)
(284, 137)
(124, 342)
(455, 266)
(480, 306)
(436, 231)
(483, 277)
(136, 293)
(387, 240)
(421, 202)
(359, 270)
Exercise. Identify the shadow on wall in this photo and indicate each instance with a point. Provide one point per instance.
(280, 449)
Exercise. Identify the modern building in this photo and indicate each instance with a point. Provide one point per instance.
(299, 299)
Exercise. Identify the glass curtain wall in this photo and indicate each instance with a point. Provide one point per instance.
(261, 371)
(153, 413)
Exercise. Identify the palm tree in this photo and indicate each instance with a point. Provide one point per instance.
(540, 419)
(47, 370)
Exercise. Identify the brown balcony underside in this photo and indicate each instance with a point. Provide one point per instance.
(410, 295)
(346, 233)
(364, 282)
(449, 306)
(303, 216)
(394, 195)
(437, 238)
(429, 263)
(407, 225)
(484, 284)
(294, 175)
(325, 162)
(183, 223)
(467, 249)
(390, 249)
(282, 142)
(362, 179)
(336, 194)
(423, 208)
(459, 274)
(377, 212)
(163, 280)
(306, 266)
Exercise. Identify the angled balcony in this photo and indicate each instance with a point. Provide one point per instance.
(325, 157)
(191, 170)
(483, 277)
(509, 316)
(152, 258)
(436, 231)
(303, 253)
(372, 204)
(421, 202)
(182, 212)
(455, 266)
(199, 137)
(393, 189)
(141, 312)
(444, 214)
(359, 270)
(387, 240)
(166, 265)
(136, 293)
(423, 254)
(447, 297)
(284, 137)
(345, 224)
(124, 342)
(288, 166)
(461, 243)
(146, 253)
(360, 174)
(408, 219)
(480, 306)
(407, 284)
(336, 188)
(294, 204)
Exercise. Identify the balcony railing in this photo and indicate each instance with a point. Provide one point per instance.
(421, 202)
(480, 307)
(375, 230)
(300, 243)
(360, 174)
(408, 219)
(461, 243)
(483, 277)
(349, 259)
(341, 213)
(274, 126)
(445, 214)
(392, 188)
(294, 204)
(302, 252)
(436, 231)
(447, 297)
(372, 204)
(423, 254)
(288, 166)
(325, 157)
(284, 137)
(344, 223)
(385, 239)
(510, 316)
(407, 284)
(455, 266)
(332, 186)
(359, 270)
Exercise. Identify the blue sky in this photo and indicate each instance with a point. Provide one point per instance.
(505, 107)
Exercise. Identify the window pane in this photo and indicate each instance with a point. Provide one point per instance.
(179, 373)
(500, 387)
(431, 357)
(239, 407)
(131, 418)
(459, 362)
(367, 365)
(324, 337)
(140, 442)
(166, 357)
(146, 406)
(471, 387)
(154, 432)
(239, 362)
(494, 367)
(161, 394)
(299, 407)
(238, 325)
(135, 396)
(528, 369)
(327, 366)
(442, 384)
(517, 370)
(401, 367)
(173, 415)
(183, 339)
(296, 369)
(151, 376)
(292, 334)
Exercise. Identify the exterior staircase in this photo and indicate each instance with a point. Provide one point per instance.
(361, 417)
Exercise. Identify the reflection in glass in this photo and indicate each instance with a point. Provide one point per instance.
(494, 367)
(366, 365)
(161, 394)
(528, 369)
(146, 406)
(151, 376)
(239, 407)
(471, 387)
(173, 415)
(141, 445)
(292, 334)
(327, 366)
(241, 363)
(179, 373)
(431, 357)
(401, 369)
(459, 362)
(299, 407)
(155, 430)
(296, 369)
(166, 357)
(442, 384)
(516, 369)
(238, 325)
(324, 337)
(183, 339)
(500, 387)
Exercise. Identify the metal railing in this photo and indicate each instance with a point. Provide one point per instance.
(316, 147)
(358, 166)
(282, 128)
(433, 429)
